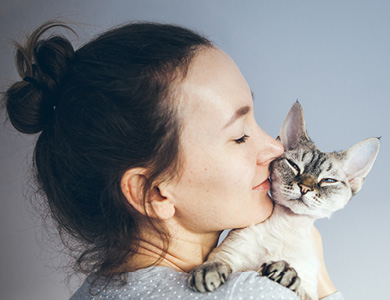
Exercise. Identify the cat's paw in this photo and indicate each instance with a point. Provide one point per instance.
(208, 276)
(281, 272)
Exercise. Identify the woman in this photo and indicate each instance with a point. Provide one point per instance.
(148, 150)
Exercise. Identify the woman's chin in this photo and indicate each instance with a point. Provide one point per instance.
(267, 207)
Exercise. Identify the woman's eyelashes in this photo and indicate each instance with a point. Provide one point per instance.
(242, 139)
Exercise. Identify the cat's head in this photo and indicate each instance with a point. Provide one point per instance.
(315, 183)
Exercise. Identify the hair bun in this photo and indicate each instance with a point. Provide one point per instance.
(42, 63)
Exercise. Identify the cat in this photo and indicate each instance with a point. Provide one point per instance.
(306, 184)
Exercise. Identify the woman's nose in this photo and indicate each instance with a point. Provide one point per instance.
(269, 149)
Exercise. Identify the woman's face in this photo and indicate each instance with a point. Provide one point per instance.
(226, 155)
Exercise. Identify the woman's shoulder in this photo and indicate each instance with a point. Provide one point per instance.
(166, 283)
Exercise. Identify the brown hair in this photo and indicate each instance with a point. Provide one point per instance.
(101, 110)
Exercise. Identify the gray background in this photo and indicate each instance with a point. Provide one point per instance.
(332, 55)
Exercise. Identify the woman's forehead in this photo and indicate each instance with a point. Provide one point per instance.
(214, 85)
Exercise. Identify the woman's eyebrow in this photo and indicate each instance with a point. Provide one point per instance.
(242, 111)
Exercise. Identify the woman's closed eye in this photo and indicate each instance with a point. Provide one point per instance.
(242, 139)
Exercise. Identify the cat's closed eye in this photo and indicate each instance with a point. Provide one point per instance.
(294, 167)
(327, 180)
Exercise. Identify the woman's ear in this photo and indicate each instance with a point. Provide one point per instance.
(157, 206)
(163, 206)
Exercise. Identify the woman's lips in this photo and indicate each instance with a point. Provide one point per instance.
(264, 186)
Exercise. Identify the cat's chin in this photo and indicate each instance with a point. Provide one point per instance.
(299, 207)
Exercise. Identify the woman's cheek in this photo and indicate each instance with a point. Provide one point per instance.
(243, 174)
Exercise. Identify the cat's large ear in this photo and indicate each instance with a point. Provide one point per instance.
(293, 129)
(359, 160)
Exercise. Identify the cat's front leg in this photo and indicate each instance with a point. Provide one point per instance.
(209, 276)
(240, 251)
(282, 273)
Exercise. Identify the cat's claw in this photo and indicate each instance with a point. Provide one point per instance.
(281, 272)
(208, 276)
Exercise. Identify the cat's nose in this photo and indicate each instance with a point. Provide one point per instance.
(305, 188)
(306, 184)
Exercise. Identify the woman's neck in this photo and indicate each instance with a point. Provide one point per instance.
(186, 250)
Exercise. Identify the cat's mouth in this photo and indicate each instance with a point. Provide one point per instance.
(300, 201)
